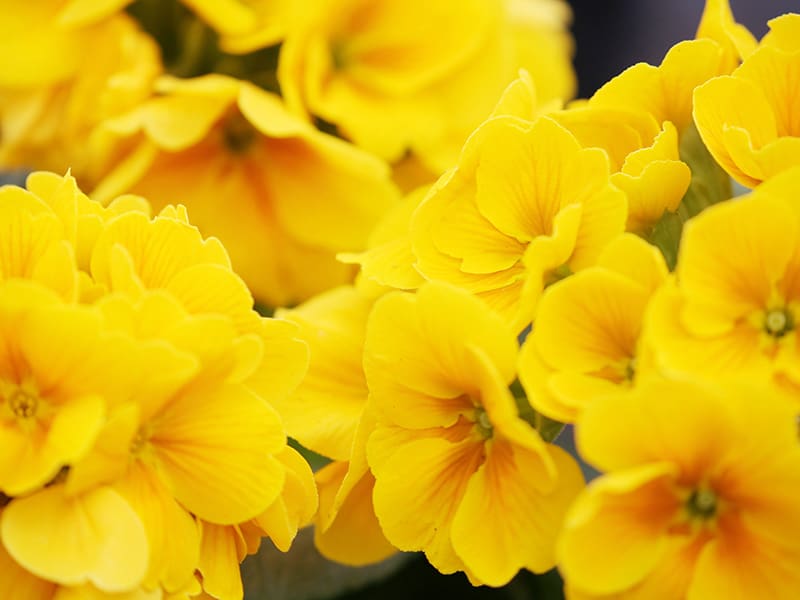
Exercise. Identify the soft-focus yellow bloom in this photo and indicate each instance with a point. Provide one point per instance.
(734, 305)
(747, 119)
(458, 474)
(586, 341)
(698, 500)
(55, 125)
(525, 206)
(247, 25)
(328, 414)
(395, 82)
(282, 197)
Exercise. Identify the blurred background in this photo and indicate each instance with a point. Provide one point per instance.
(611, 35)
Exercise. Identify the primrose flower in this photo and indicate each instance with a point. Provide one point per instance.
(525, 206)
(587, 339)
(394, 83)
(55, 125)
(281, 196)
(746, 119)
(458, 473)
(733, 306)
(329, 414)
(701, 502)
(644, 156)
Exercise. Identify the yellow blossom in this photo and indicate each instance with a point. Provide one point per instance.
(282, 197)
(718, 24)
(525, 206)
(733, 306)
(746, 119)
(698, 499)
(458, 474)
(393, 82)
(586, 341)
(56, 125)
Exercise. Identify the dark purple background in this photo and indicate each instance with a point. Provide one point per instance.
(614, 34)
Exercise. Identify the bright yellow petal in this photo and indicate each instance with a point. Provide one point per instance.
(630, 511)
(100, 538)
(219, 561)
(16, 582)
(504, 522)
(214, 447)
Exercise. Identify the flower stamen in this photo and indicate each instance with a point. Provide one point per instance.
(483, 423)
(778, 322)
(702, 504)
(23, 404)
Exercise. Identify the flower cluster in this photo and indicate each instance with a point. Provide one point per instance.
(141, 452)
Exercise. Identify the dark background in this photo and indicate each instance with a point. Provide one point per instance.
(611, 35)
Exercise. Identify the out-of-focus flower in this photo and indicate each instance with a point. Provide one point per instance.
(734, 305)
(393, 82)
(747, 119)
(525, 206)
(282, 197)
(54, 124)
(698, 499)
(247, 25)
(458, 474)
(586, 341)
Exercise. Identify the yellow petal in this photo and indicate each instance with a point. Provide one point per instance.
(100, 540)
(631, 509)
(219, 561)
(214, 447)
(16, 582)
(336, 540)
(504, 522)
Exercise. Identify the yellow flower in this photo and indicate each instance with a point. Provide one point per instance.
(733, 306)
(665, 91)
(698, 499)
(56, 125)
(281, 196)
(718, 24)
(644, 156)
(458, 474)
(525, 205)
(746, 119)
(59, 370)
(586, 342)
(328, 414)
(393, 82)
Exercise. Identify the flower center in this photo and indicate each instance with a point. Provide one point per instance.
(702, 504)
(23, 404)
(139, 441)
(483, 423)
(238, 134)
(778, 322)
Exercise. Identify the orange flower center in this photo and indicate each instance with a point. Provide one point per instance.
(238, 134)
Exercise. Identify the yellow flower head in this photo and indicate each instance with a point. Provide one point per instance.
(644, 156)
(525, 206)
(586, 340)
(281, 196)
(734, 304)
(458, 474)
(394, 82)
(747, 119)
(56, 125)
(698, 499)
